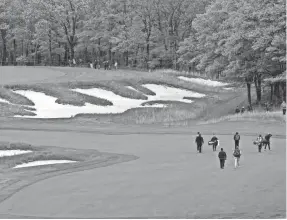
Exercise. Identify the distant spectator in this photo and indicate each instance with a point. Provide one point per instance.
(116, 65)
(267, 107)
(236, 139)
(222, 157)
(106, 65)
(237, 110)
(99, 65)
(249, 108)
(95, 64)
(242, 110)
(74, 62)
(199, 141)
(283, 106)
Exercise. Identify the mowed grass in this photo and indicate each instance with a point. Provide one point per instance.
(170, 177)
(63, 79)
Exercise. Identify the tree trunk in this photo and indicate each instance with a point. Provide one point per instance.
(110, 53)
(283, 85)
(15, 51)
(66, 57)
(258, 91)
(249, 92)
(257, 82)
(50, 47)
(4, 47)
(271, 92)
(72, 50)
(86, 55)
(147, 53)
(36, 53)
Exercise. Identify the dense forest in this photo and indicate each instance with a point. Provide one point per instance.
(243, 39)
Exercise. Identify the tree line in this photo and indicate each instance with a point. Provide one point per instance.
(240, 39)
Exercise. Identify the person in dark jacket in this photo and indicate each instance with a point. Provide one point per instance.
(214, 139)
(236, 139)
(199, 141)
(222, 157)
(267, 141)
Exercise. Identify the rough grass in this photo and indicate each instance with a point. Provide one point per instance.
(8, 110)
(14, 98)
(251, 116)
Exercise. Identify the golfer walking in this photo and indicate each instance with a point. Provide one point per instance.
(215, 141)
(267, 141)
(236, 139)
(236, 155)
(222, 157)
(259, 142)
(199, 141)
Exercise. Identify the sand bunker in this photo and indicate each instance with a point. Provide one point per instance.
(9, 153)
(4, 101)
(46, 106)
(166, 93)
(42, 163)
(206, 82)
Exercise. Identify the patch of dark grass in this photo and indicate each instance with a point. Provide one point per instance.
(117, 87)
(9, 110)
(18, 146)
(14, 98)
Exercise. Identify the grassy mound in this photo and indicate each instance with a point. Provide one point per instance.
(8, 110)
(14, 98)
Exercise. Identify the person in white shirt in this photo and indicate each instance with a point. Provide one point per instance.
(259, 142)
(236, 154)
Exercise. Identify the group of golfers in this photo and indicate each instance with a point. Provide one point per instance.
(260, 142)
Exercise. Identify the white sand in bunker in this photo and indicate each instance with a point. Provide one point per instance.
(206, 82)
(46, 106)
(3, 101)
(43, 163)
(132, 88)
(9, 153)
(166, 93)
